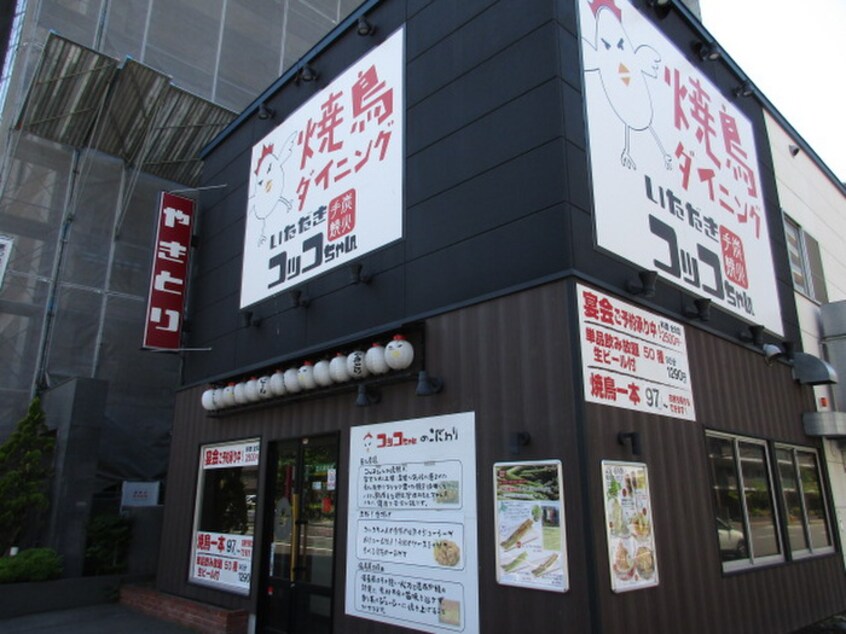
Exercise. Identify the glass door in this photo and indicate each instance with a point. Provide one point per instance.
(296, 593)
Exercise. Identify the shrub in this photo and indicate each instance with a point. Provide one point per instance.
(108, 545)
(32, 564)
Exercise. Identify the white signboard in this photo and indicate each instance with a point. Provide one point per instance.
(139, 494)
(237, 454)
(6, 243)
(529, 519)
(326, 184)
(674, 166)
(411, 554)
(633, 358)
(224, 560)
(221, 559)
(628, 523)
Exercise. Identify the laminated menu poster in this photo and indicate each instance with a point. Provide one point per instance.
(628, 523)
(411, 552)
(531, 541)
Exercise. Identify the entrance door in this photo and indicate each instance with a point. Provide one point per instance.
(300, 536)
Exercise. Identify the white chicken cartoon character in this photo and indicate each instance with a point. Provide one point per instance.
(624, 71)
(268, 186)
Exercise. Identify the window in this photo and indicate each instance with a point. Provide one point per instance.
(224, 516)
(805, 262)
(808, 529)
(745, 511)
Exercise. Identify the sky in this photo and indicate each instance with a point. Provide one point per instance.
(795, 53)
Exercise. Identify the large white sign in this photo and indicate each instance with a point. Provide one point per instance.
(674, 166)
(632, 358)
(411, 548)
(326, 185)
(224, 560)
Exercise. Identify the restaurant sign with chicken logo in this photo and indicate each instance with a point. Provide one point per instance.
(675, 171)
(326, 184)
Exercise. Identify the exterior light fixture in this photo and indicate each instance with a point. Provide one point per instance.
(631, 438)
(708, 52)
(701, 309)
(426, 385)
(794, 150)
(364, 27)
(367, 396)
(645, 285)
(298, 300)
(265, 112)
(517, 440)
(307, 73)
(356, 276)
(661, 7)
(746, 89)
(755, 335)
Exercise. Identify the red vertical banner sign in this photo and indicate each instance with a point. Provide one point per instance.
(169, 276)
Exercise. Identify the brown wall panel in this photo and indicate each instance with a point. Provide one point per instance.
(511, 361)
(737, 392)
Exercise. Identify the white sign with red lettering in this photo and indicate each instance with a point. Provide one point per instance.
(326, 185)
(222, 559)
(674, 166)
(632, 358)
(169, 277)
(242, 454)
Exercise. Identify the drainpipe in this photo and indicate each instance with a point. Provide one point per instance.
(40, 381)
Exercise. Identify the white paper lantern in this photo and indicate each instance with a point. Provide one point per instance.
(322, 376)
(229, 395)
(305, 375)
(208, 400)
(240, 393)
(399, 353)
(263, 387)
(338, 368)
(292, 381)
(251, 389)
(277, 383)
(356, 366)
(218, 398)
(375, 359)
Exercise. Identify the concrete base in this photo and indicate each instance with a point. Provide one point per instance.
(18, 599)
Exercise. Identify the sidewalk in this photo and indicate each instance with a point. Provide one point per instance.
(107, 618)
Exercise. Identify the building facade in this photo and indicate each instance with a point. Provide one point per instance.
(483, 332)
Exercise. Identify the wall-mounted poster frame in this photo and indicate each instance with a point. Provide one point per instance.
(531, 538)
(224, 515)
(412, 557)
(628, 525)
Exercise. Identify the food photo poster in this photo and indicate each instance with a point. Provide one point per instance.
(628, 524)
(529, 518)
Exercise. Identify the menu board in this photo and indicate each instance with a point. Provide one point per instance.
(529, 519)
(628, 524)
(633, 358)
(412, 557)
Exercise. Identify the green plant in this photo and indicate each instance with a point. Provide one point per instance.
(33, 564)
(24, 471)
(108, 545)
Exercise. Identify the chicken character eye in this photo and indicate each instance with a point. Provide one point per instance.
(620, 44)
(606, 44)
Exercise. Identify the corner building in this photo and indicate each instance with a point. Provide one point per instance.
(572, 220)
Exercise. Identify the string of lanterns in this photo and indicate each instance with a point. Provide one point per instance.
(398, 354)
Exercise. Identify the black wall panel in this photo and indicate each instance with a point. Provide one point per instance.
(495, 166)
